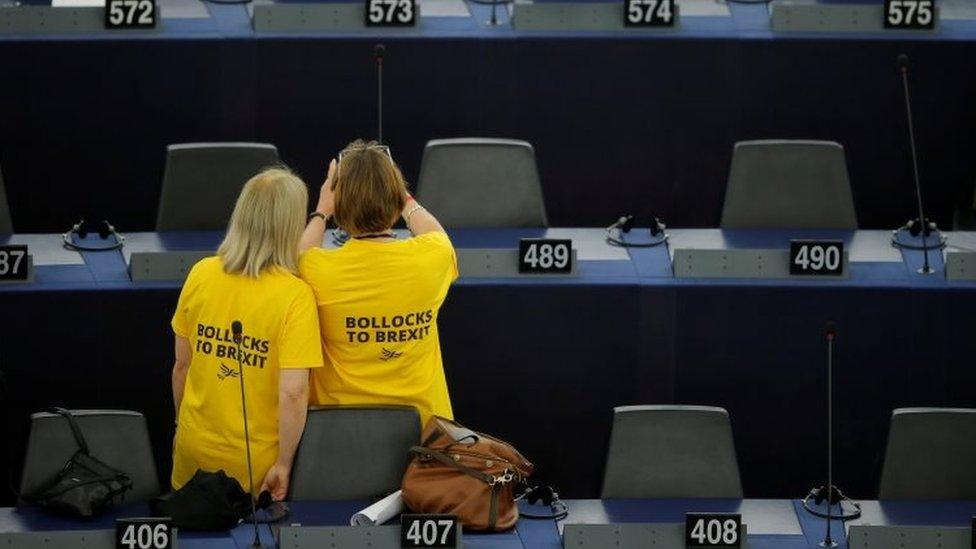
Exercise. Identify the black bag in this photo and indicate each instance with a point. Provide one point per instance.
(208, 501)
(85, 486)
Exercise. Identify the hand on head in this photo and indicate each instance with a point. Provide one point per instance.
(327, 192)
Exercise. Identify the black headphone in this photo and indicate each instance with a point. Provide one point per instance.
(625, 223)
(81, 228)
(822, 493)
(915, 228)
(546, 496)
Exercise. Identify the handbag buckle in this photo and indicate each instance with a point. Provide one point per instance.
(502, 479)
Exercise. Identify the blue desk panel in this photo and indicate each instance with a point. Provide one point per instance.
(542, 362)
(641, 121)
(338, 513)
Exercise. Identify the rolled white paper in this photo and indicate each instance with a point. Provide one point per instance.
(379, 512)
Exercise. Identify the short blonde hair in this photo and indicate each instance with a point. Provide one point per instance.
(266, 225)
(369, 189)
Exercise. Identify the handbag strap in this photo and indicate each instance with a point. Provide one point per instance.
(75, 429)
(446, 460)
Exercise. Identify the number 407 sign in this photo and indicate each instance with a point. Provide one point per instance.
(649, 13)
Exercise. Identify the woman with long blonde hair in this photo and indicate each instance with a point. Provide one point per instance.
(252, 280)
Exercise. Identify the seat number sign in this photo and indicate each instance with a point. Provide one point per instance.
(713, 530)
(130, 14)
(144, 533)
(391, 13)
(649, 13)
(909, 14)
(545, 256)
(812, 257)
(429, 531)
(13, 263)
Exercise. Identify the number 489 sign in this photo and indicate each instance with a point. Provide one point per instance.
(649, 13)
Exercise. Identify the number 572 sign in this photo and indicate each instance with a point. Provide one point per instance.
(130, 14)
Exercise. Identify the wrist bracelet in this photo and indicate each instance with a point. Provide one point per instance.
(313, 215)
(406, 216)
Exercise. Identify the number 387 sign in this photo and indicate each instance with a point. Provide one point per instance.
(649, 13)
(391, 13)
(130, 14)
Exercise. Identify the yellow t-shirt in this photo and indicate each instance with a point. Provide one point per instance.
(280, 330)
(378, 305)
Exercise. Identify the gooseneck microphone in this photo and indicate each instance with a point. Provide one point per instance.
(379, 50)
(903, 65)
(830, 331)
(237, 329)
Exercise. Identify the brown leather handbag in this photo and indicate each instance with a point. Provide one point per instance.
(460, 472)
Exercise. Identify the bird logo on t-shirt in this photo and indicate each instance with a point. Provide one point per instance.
(386, 354)
(226, 372)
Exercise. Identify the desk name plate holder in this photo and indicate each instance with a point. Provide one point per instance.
(472, 262)
(812, 16)
(741, 263)
(585, 16)
(960, 266)
(347, 537)
(49, 20)
(632, 535)
(330, 16)
(864, 536)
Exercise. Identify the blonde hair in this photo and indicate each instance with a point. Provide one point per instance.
(266, 225)
(369, 189)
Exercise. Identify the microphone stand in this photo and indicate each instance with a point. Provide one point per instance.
(237, 329)
(827, 541)
(378, 51)
(903, 65)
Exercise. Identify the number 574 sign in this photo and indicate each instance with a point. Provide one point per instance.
(130, 14)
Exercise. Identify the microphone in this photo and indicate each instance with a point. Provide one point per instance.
(379, 50)
(237, 329)
(830, 330)
(903, 65)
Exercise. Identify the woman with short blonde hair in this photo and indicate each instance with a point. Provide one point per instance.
(378, 296)
(252, 280)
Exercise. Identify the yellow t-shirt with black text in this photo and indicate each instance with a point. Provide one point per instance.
(280, 330)
(378, 304)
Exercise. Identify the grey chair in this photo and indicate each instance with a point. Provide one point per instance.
(671, 452)
(117, 437)
(201, 182)
(930, 455)
(6, 225)
(353, 452)
(788, 184)
(481, 182)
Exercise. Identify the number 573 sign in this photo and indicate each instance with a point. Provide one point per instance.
(391, 13)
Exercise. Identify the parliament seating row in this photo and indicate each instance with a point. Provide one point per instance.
(659, 451)
(480, 182)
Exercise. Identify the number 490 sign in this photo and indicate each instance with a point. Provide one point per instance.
(130, 14)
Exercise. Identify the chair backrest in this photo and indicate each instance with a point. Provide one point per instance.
(481, 182)
(201, 182)
(788, 184)
(671, 452)
(116, 437)
(354, 452)
(6, 224)
(931, 454)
